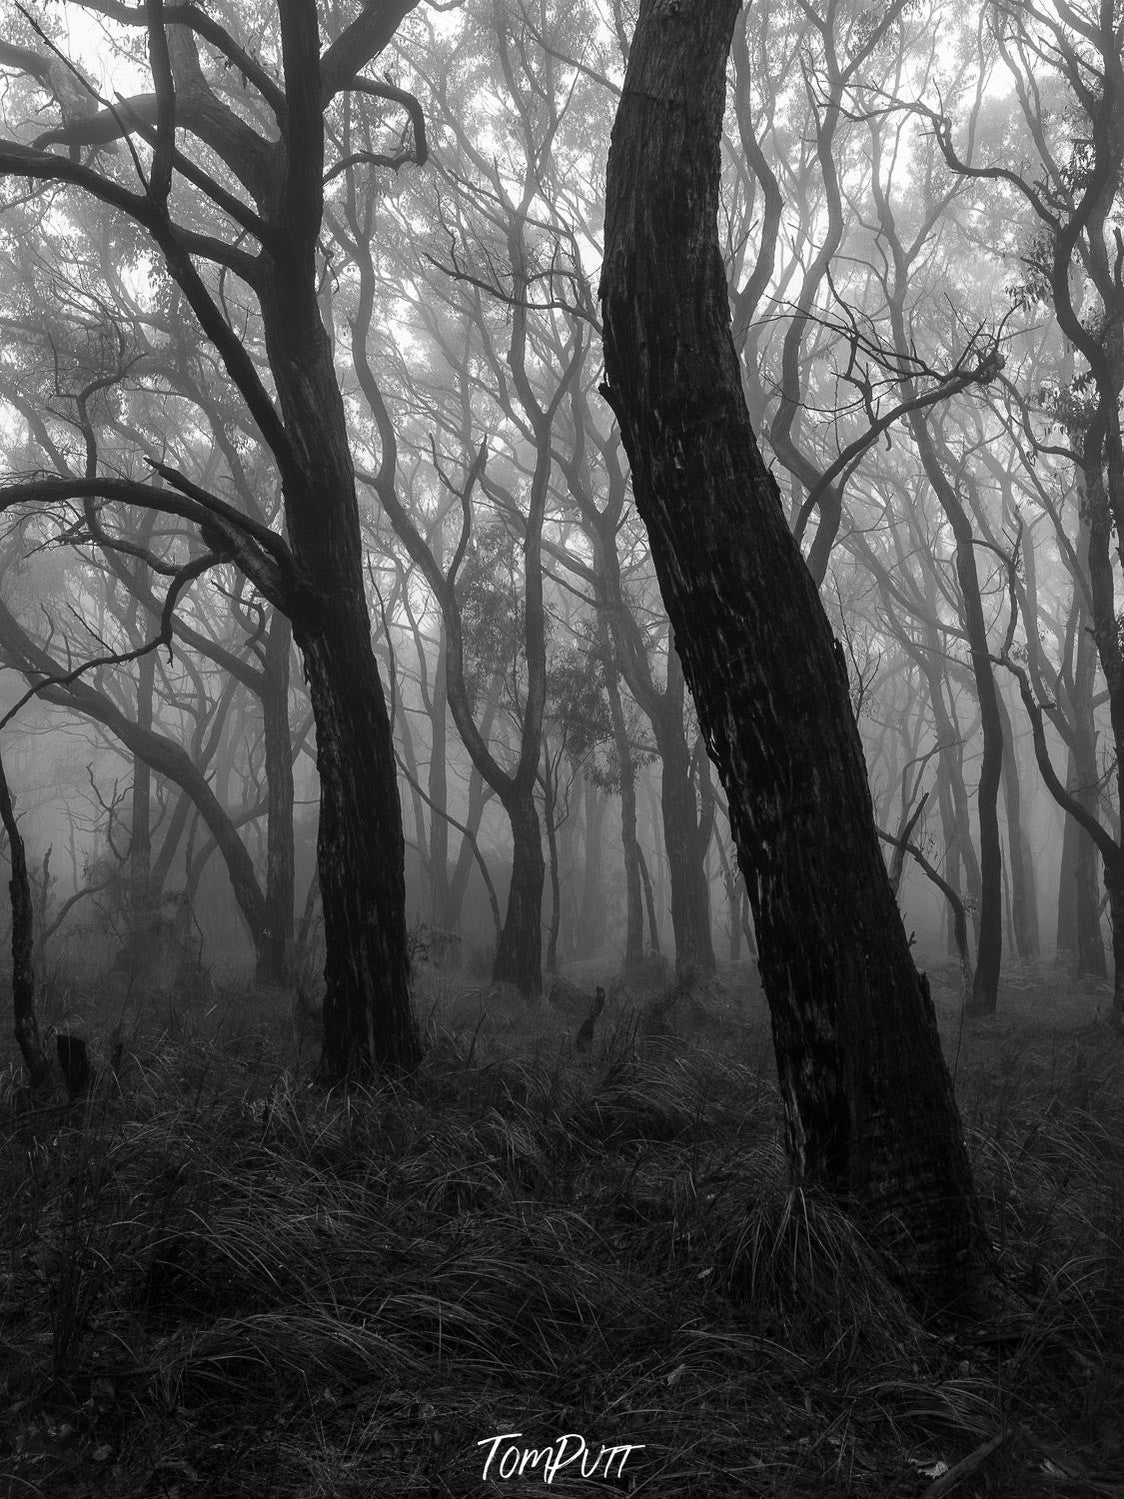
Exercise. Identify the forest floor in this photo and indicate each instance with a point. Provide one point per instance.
(216, 1280)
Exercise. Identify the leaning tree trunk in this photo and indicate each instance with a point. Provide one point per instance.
(869, 1107)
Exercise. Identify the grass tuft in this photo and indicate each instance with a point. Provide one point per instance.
(217, 1280)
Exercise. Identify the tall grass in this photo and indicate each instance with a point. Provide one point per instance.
(216, 1280)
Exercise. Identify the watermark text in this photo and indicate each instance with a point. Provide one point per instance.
(520, 1462)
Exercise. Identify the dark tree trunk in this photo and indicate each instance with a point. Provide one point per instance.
(657, 869)
(1066, 945)
(1114, 886)
(275, 948)
(634, 910)
(1081, 891)
(989, 949)
(25, 1023)
(477, 796)
(686, 849)
(140, 839)
(368, 1018)
(519, 951)
(953, 799)
(439, 913)
(690, 903)
(360, 853)
(869, 1106)
(555, 890)
(649, 901)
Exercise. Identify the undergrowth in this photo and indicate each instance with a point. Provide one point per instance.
(218, 1281)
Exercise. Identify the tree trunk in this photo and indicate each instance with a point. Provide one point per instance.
(439, 913)
(519, 951)
(686, 853)
(869, 1107)
(1079, 899)
(360, 851)
(1024, 888)
(275, 948)
(649, 901)
(555, 888)
(477, 796)
(1114, 886)
(140, 840)
(989, 948)
(25, 1023)
(368, 1018)
(634, 910)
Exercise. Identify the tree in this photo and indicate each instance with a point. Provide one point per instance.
(1074, 264)
(263, 193)
(869, 1106)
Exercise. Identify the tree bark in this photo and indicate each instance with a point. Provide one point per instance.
(318, 577)
(368, 1019)
(519, 950)
(869, 1107)
(1079, 922)
(140, 839)
(690, 897)
(25, 1022)
(649, 901)
(275, 948)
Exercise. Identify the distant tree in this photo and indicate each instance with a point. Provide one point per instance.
(1073, 266)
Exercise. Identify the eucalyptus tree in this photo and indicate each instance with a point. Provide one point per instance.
(222, 170)
(1066, 67)
(869, 1105)
(804, 260)
(488, 389)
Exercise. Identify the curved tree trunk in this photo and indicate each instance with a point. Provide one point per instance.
(869, 1107)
